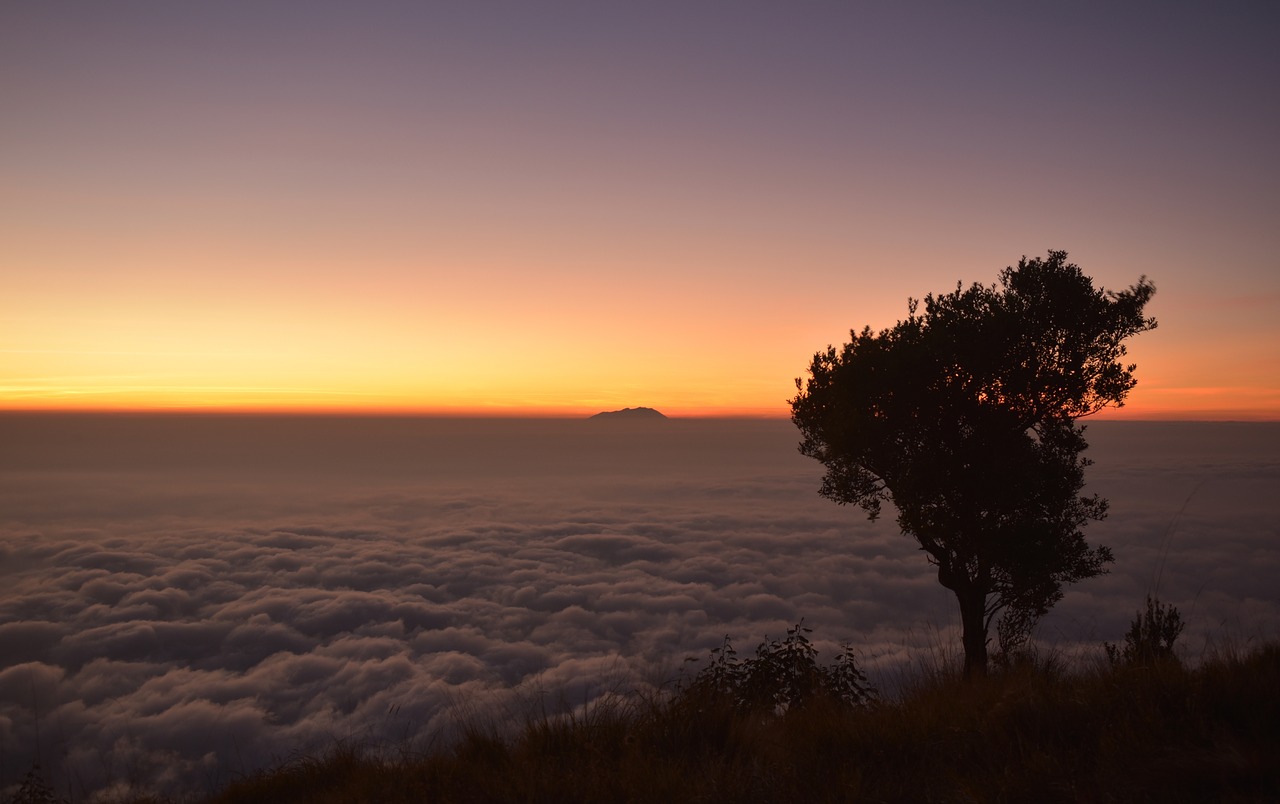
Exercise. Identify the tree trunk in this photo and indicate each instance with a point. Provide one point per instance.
(973, 605)
(973, 613)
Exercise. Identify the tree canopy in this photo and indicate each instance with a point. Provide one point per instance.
(963, 417)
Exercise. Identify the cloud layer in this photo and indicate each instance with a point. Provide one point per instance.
(185, 601)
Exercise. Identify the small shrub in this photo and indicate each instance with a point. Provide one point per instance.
(784, 674)
(35, 790)
(1013, 634)
(1150, 638)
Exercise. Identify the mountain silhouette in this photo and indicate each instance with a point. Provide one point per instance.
(630, 414)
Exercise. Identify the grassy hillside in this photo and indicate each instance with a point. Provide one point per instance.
(1029, 733)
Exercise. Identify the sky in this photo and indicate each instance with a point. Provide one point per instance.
(558, 208)
(190, 598)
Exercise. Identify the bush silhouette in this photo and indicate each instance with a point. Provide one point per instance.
(1150, 638)
(783, 675)
(34, 790)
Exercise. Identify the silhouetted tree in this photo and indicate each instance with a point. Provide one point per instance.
(964, 418)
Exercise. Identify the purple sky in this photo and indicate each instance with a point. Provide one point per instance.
(247, 204)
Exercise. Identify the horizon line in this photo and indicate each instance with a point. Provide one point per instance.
(561, 414)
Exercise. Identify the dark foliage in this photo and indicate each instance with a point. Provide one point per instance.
(782, 676)
(964, 418)
(34, 790)
(1150, 638)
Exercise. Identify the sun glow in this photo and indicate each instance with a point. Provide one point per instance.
(408, 213)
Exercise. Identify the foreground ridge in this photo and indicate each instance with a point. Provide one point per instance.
(1031, 731)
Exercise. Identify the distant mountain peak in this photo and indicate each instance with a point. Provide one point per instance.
(648, 414)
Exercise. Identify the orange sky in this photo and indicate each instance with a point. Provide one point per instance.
(386, 209)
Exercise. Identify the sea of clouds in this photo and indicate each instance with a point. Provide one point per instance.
(184, 599)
